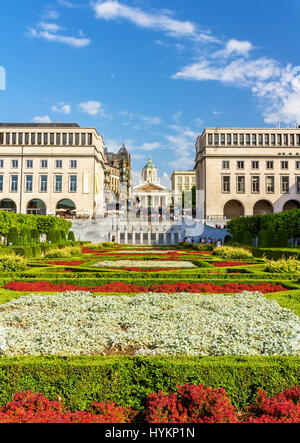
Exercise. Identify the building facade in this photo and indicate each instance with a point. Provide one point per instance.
(123, 160)
(244, 172)
(51, 169)
(111, 184)
(182, 181)
(149, 193)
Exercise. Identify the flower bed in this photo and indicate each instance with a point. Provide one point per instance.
(230, 264)
(65, 263)
(144, 264)
(119, 287)
(190, 404)
(148, 270)
(148, 324)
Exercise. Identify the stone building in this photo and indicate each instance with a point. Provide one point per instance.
(247, 172)
(182, 181)
(51, 169)
(123, 160)
(150, 193)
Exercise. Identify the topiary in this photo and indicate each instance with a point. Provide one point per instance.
(71, 236)
(34, 236)
(247, 239)
(25, 238)
(13, 237)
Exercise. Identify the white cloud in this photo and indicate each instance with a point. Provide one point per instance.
(159, 21)
(235, 47)
(51, 27)
(62, 108)
(149, 147)
(91, 107)
(152, 120)
(43, 119)
(75, 42)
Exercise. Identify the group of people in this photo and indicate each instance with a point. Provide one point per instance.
(204, 241)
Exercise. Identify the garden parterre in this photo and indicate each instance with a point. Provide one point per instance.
(169, 317)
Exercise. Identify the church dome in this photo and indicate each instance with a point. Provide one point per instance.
(150, 165)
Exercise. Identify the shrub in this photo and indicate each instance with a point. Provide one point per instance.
(192, 404)
(13, 237)
(12, 263)
(282, 408)
(247, 239)
(229, 252)
(35, 236)
(25, 236)
(289, 266)
(66, 252)
(71, 236)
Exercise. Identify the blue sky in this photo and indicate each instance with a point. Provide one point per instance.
(155, 73)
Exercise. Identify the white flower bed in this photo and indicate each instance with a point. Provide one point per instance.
(146, 252)
(77, 323)
(144, 264)
(2, 339)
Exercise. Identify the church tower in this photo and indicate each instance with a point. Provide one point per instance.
(149, 172)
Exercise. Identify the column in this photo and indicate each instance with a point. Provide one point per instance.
(142, 237)
(149, 238)
(133, 237)
(126, 238)
(172, 238)
(118, 237)
(165, 238)
(157, 238)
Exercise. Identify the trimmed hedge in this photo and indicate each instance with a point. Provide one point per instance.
(128, 380)
(276, 254)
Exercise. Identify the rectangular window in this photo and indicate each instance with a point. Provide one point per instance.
(223, 139)
(1, 183)
(255, 184)
(44, 164)
(8, 138)
(225, 164)
(179, 188)
(43, 183)
(14, 180)
(71, 139)
(242, 140)
(83, 139)
(73, 183)
(210, 139)
(14, 138)
(226, 184)
(73, 164)
(255, 165)
(179, 179)
(270, 165)
(267, 139)
(46, 138)
(241, 185)
(285, 184)
(298, 165)
(28, 183)
(240, 165)
(270, 184)
(279, 139)
(1, 164)
(58, 139)
(29, 164)
(58, 164)
(21, 138)
(15, 164)
(58, 183)
(26, 139)
(216, 139)
(298, 185)
(64, 139)
(284, 165)
(273, 139)
(235, 139)
(254, 140)
(229, 139)
(248, 139)
(292, 140)
(39, 138)
(298, 139)
(76, 139)
(260, 140)
(52, 138)
(286, 140)
(90, 139)
(33, 138)
(1, 138)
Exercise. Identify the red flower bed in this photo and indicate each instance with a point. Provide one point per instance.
(190, 404)
(148, 270)
(65, 263)
(230, 264)
(118, 287)
(35, 408)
